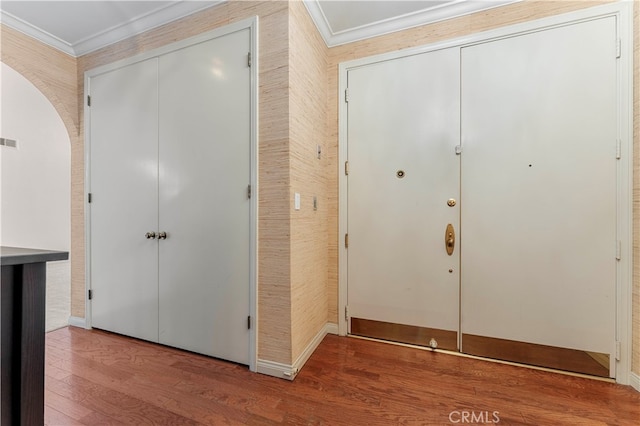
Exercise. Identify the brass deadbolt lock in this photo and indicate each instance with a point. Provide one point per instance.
(449, 239)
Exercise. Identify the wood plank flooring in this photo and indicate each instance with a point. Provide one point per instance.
(99, 378)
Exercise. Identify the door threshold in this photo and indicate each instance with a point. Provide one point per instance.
(497, 361)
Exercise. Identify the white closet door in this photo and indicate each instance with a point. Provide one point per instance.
(403, 127)
(539, 191)
(124, 186)
(204, 208)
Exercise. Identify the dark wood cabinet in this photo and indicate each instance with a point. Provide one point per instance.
(22, 311)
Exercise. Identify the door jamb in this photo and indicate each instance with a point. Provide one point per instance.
(623, 12)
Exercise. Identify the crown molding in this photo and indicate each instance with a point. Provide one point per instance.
(141, 24)
(34, 32)
(114, 34)
(439, 13)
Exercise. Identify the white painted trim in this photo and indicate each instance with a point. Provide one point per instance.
(155, 18)
(343, 205)
(87, 205)
(78, 322)
(426, 16)
(318, 17)
(253, 214)
(623, 11)
(634, 381)
(252, 25)
(32, 31)
(138, 25)
(276, 369)
(171, 47)
(311, 347)
(332, 328)
(624, 285)
(289, 372)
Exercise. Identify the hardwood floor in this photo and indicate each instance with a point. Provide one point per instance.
(98, 378)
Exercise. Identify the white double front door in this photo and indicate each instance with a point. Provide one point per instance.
(481, 208)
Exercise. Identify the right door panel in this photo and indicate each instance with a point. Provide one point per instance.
(205, 142)
(538, 191)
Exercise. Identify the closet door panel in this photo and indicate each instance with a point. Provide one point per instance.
(123, 182)
(204, 209)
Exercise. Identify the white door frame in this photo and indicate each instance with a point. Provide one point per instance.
(252, 25)
(623, 11)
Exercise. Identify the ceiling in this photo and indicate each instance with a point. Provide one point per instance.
(80, 27)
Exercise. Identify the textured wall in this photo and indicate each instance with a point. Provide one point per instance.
(50, 70)
(307, 119)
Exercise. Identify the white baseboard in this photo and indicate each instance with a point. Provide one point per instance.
(634, 381)
(332, 328)
(289, 372)
(276, 369)
(78, 322)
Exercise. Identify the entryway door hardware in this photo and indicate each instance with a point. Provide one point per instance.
(502, 288)
(450, 239)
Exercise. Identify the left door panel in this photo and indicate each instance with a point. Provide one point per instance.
(124, 206)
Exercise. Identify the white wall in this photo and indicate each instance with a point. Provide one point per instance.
(35, 181)
(36, 184)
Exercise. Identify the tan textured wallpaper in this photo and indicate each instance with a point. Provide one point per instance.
(309, 238)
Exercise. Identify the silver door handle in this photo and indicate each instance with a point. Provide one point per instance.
(150, 235)
(162, 235)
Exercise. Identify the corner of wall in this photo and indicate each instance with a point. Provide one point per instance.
(309, 230)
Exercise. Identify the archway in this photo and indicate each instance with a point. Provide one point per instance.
(35, 182)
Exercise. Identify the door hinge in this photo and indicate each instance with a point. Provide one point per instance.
(458, 149)
(11, 143)
(346, 240)
(249, 322)
(618, 149)
(618, 48)
(346, 313)
(89, 197)
(249, 191)
(617, 351)
(249, 59)
(89, 100)
(618, 250)
(346, 168)
(346, 95)
(90, 294)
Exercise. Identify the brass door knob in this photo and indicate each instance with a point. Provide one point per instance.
(150, 235)
(162, 235)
